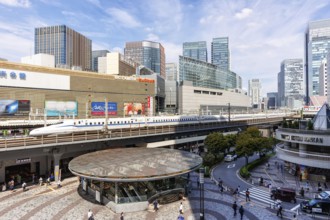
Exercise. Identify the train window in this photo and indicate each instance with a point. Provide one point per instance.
(90, 123)
(74, 123)
(111, 122)
(78, 122)
(103, 123)
(99, 123)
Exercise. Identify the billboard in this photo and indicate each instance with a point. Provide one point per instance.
(98, 108)
(134, 108)
(61, 108)
(14, 107)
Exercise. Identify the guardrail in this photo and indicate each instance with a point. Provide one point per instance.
(44, 141)
(302, 154)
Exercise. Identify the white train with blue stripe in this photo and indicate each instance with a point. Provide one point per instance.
(70, 126)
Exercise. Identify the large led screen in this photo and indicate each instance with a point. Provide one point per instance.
(61, 108)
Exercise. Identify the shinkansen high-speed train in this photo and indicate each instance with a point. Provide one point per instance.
(82, 125)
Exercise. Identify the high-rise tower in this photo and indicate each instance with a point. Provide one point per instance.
(196, 50)
(220, 54)
(147, 53)
(70, 48)
(317, 44)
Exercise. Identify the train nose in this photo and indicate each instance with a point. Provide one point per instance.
(34, 132)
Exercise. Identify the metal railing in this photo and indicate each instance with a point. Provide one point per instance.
(44, 141)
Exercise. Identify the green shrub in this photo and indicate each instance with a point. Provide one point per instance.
(245, 171)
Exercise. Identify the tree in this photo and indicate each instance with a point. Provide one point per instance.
(310, 125)
(231, 139)
(246, 145)
(216, 143)
(254, 132)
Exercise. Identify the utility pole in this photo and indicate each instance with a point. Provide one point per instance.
(229, 112)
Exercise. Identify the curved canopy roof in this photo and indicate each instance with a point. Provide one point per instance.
(134, 164)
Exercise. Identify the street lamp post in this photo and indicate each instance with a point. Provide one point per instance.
(171, 99)
(229, 112)
(158, 89)
(201, 198)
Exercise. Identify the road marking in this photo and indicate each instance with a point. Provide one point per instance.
(231, 166)
(295, 208)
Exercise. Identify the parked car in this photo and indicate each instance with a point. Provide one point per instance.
(283, 194)
(324, 195)
(230, 157)
(316, 206)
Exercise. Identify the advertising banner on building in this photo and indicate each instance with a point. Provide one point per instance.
(98, 108)
(14, 107)
(134, 108)
(61, 108)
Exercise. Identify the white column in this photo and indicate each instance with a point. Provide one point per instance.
(57, 158)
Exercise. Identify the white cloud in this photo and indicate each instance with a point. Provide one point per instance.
(152, 37)
(95, 2)
(123, 17)
(244, 13)
(16, 3)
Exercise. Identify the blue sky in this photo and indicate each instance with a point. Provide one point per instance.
(262, 33)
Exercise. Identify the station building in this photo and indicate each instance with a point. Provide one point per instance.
(28, 90)
(37, 92)
(305, 150)
(127, 180)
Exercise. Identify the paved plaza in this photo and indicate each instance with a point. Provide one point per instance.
(67, 202)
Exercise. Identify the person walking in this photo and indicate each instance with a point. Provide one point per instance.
(279, 211)
(122, 216)
(90, 215)
(241, 211)
(181, 208)
(155, 205)
(235, 208)
(24, 186)
(247, 195)
(302, 192)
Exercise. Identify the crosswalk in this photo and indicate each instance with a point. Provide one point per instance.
(262, 195)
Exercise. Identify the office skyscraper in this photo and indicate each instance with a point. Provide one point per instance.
(220, 54)
(147, 53)
(195, 50)
(171, 71)
(70, 48)
(317, 44)
(95, 55)
(254, 92)
(291, 88)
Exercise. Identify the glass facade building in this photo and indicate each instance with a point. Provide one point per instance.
(207, 75)
(70, 48)
(317, 44)
(147, 53)
(220, 54)
(171, 72)
(196, 50)
(291, 90)
(95, 55)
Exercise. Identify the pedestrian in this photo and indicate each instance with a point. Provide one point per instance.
(122, 216)
(279, 211)
(90, 215)
(181, 208)
(221, 189)
(302, 192)
(247, 195)
(319, 187)
(24, 186)
(33, 178)
(235, 208)
(40, 181)
(48, 181)
(155, 205)
(238, 190)
(241, 211)
(59, 183)
(270, 187)
(325, 185)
